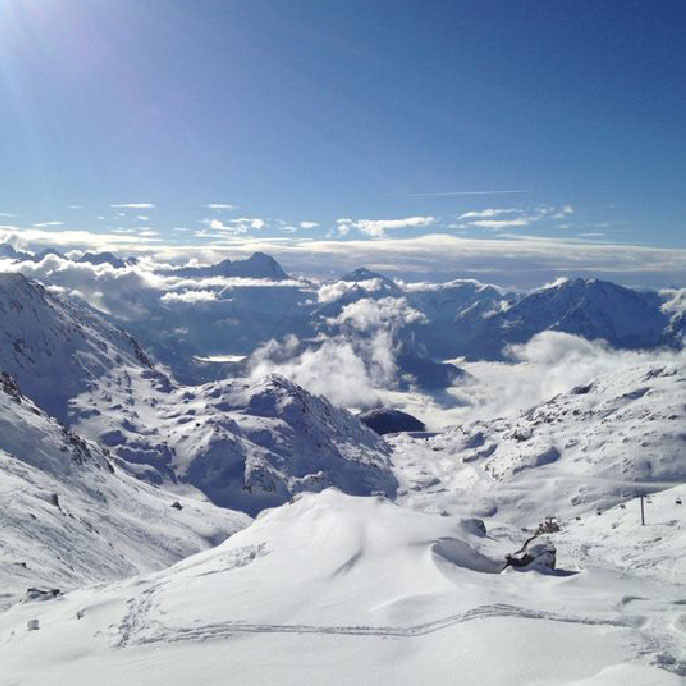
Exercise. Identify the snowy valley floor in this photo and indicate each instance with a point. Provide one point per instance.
(333, 589)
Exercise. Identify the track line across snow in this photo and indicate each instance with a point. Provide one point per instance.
(228, 629)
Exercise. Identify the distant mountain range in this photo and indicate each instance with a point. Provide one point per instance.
(462, 318)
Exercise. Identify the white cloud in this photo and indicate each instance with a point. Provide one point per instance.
(346, 381)
(230, 227)
(102, 285)
(343, 227)
(519, 261)
(45, 225)
(359, 361)
(76, 239)
(550, 363)
(148, 233)
(564, 211)
(367, 314)
(221, 206)
(501, 223)
(488, 213)
(675, 300)
(489, 218)
(190, 296)
(377, 227)
(136, 206)
(309, 225)
(330, 292)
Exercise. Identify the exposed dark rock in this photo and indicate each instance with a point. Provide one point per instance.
(391, 421)
(41, 594)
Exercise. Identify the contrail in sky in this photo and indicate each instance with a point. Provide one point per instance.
(425, 195)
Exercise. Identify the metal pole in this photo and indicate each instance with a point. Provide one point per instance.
(643, 517)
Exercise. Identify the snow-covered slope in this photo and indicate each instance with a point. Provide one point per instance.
(339, 590)
(584, 450)
(247, 445)
(57, 348)
(70, 515)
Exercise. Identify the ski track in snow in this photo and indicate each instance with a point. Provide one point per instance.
(136, 621)
(138, 629)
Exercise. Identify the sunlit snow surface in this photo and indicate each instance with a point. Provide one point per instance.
(334, 589)
(70, 516)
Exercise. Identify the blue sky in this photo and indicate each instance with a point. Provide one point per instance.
(344, 119)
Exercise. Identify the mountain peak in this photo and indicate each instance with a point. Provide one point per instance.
(362, 274)
(102, 258)
(258, 266)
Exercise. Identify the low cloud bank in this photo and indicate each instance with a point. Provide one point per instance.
(352, 366)
(333, 369)
(550, 363)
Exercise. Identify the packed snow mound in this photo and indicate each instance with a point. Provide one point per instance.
(391, 421)
(377, 590)
(246, 444)
(57, 348)
(583, 450)
(70, 515)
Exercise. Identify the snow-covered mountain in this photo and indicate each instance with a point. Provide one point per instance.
(479, 321)
(103, 258)
(71, 515)
(452, 312)
(9, 252)
(247, 445)
(584, 450)
(258, 266)
(589, 308)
